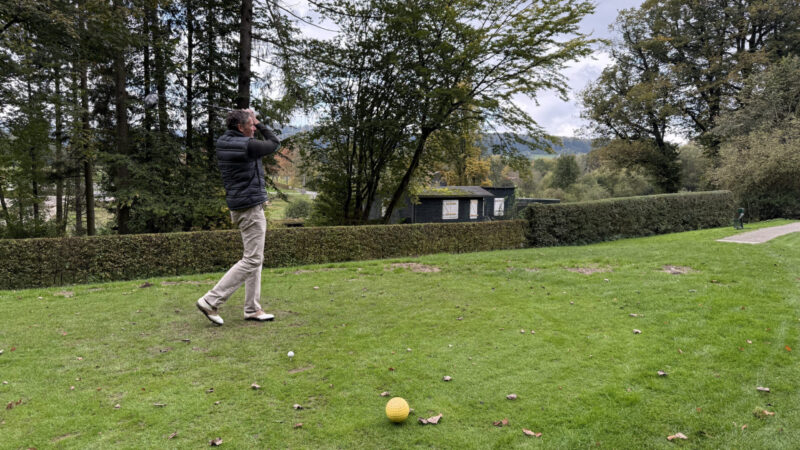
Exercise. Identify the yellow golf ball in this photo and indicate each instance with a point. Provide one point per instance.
(397, 409)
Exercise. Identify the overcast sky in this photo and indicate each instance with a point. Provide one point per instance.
(554, 115)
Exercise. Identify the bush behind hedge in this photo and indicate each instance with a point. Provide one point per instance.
(51, 262)
(609, 219)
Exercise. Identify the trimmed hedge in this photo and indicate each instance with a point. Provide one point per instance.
(28, 263)
(605, 220)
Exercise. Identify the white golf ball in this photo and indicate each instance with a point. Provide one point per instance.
(290, 354)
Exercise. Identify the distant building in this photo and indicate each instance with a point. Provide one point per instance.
(454, 204)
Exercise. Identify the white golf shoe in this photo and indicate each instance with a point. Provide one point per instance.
(209, 312)
(259, 315)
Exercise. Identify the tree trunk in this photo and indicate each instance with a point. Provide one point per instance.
(245, 48)
(148, 112)
(189, 77)
(6, 215)
(78, 207)
(59, 164)
(210, 100)
(88, 166)
(122, 175)
(160, 70)
(398, 193)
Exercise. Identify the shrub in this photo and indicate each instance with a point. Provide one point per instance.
(603, 220)
(299, 208)
(51, 262)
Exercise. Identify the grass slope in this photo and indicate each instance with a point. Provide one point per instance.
(584, 379)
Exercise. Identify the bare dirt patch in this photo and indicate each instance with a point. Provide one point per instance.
(174, 283)
(588, 270)
(415, 267)
(301, 369)
(330, 269)
(64, 436)
(677, 270)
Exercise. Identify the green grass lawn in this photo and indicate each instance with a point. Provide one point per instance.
(584, 379)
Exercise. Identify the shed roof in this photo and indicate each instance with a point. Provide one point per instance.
(455, 191)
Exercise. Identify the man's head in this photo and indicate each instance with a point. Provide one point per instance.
(242, 121)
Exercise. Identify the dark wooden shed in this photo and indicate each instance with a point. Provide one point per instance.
(448, 204)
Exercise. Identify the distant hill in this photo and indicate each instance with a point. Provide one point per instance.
(569, 146)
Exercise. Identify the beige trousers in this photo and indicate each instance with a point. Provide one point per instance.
(253, 225)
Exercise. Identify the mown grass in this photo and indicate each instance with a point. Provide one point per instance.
(584, 379)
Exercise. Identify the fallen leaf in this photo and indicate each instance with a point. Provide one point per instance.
(391, 369)
(768, 413)
(186, 340)
(80, 358)
(744, 426)
(72, 388)
(255, 386)
(662, 373)
(677, 436)
(430, 420)
(316, 287)
(160, 405)
(680, 351)
(447, 378)
(460, 318)
(749, 341)
(13, 348)
(762, 389)
(385, 394)
(511, 396)
(63, 333)
(215, 442)
(633, 315)
(533, 332)
(522, 331)
(117, 406)
(635, 331)
(699, 409)
(297, 406)
(528, 432)
(298, 425)
(172, 435)
(501, 423)
(209, 390)
(788, 349)
(217, 402)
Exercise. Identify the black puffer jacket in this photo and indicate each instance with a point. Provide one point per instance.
(239, 160)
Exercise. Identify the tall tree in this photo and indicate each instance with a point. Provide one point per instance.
(400, 70)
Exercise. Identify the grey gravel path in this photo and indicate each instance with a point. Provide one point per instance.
(762, 235)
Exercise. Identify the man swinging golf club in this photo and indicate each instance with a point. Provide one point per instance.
(239, 158)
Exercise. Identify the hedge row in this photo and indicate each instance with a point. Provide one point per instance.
(51, 262)
(605, 220)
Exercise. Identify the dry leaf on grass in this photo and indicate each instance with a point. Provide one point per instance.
(209, 390)
(531, 433)
(117, 406)
(788, 349)
(511, 396)
(430, 420)
(447, 378)
(297, 406)
(385, 394)
(635, 331)
(677, 436)
(172, 435)
(160, 405)
(762, 389)
(744, 426)
(661, 373)
(298, 425)
(255, 387)
(501, 423)
(215, 442)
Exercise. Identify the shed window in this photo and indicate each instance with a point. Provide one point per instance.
(449, 209)
(499, 206)
(473, 209)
